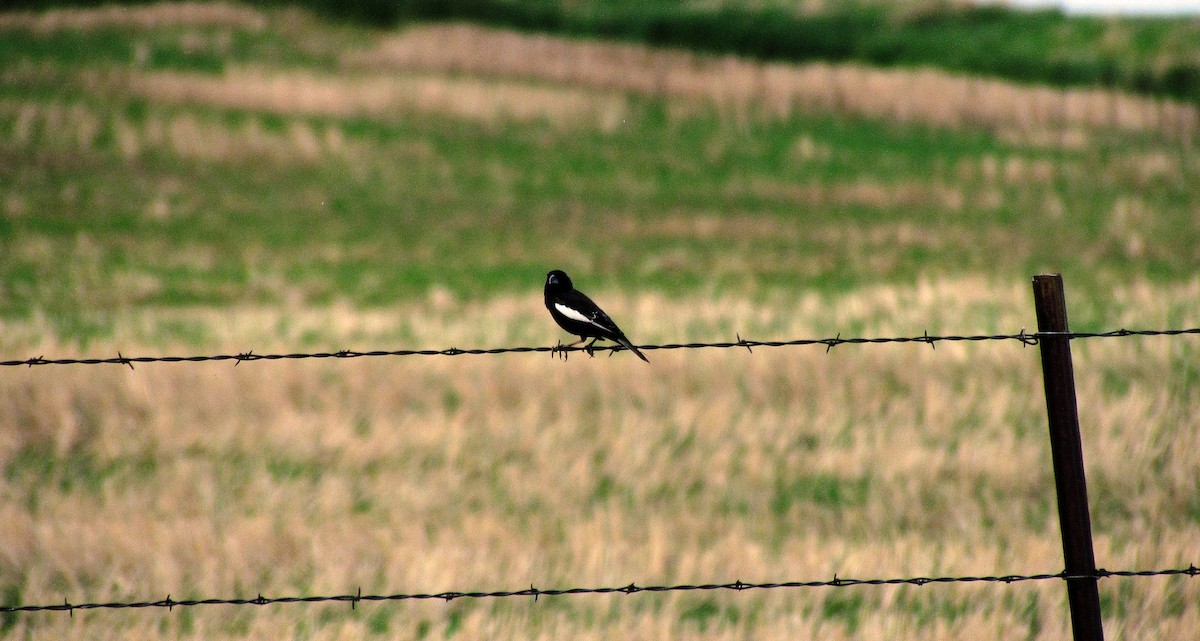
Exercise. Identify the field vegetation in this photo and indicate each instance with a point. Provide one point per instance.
(213, 178)
(1156, 56)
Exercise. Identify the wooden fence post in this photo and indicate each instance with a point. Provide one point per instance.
(1075, 522)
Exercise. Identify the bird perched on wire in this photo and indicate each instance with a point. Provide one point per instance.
(578, 315)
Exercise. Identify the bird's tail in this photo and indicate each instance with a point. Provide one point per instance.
(625, 342)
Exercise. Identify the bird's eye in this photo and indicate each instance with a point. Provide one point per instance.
(553, 280)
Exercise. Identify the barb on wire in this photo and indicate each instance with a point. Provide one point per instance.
(1023, 337)
(632, 588)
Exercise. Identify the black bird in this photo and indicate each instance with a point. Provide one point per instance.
(578, 315)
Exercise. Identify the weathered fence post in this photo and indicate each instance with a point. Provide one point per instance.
(1058, 375)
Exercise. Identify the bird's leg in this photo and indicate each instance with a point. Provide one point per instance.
(588, 348)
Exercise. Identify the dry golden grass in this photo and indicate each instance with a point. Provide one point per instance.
(78, 127)
(415, 474)
(166, 14)
(743, 87)
(304, 93)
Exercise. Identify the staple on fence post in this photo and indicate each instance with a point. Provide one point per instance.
(1058, 376)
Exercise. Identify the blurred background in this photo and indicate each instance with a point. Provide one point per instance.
(217, 177)
(166, 155)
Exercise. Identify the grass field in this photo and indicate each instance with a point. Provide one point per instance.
(224, 179)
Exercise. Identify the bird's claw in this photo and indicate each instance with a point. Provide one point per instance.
(590, 348)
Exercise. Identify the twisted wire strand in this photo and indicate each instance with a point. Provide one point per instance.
(736, 586)
(1023, 337)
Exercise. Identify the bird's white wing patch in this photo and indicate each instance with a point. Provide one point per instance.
(576, 316)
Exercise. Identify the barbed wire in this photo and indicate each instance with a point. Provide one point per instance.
(536, 593)
(1025, 338)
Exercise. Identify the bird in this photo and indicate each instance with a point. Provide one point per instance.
(576, 313)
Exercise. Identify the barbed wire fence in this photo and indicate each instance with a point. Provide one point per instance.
(536, 593)
(1051, 314)
(1023, 337)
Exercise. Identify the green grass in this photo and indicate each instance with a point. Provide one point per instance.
(510, 202)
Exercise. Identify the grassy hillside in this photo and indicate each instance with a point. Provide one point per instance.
(240, 158)
(1156, 56)
(198, 178)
